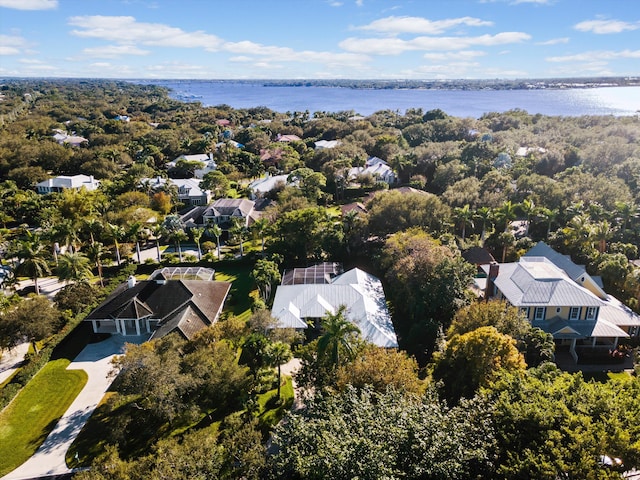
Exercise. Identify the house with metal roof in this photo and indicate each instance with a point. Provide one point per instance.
(67, 182)
(377, 168)
(307, 295)
(188, 189)
(208, 164)
(180, 302)
(561, 298)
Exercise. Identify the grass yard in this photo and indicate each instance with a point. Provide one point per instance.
(239, 273)
(27, 421)
(92, 439)
(270, 415)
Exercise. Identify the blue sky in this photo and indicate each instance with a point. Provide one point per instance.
(358, 39)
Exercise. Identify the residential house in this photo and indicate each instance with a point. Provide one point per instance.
(261, 186)
(357, 207)
(182, 300)
(222, 212)
(326, 144)
(561, 298)
(66, 182)
(208, 163)
(308, 294)
(188, 189)
(288, 138)
(377, 168)
(271, 157)
(63, 138)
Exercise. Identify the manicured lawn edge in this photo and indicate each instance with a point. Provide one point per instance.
(33, 413)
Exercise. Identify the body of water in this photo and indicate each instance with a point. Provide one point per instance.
(618, 101)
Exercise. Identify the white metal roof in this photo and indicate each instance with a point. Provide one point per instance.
(359, 291)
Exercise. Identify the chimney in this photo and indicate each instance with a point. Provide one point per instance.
(494, 270)
(131, 282)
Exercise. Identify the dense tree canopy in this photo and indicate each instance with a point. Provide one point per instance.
(427, 282)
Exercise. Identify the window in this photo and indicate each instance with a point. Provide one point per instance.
(525, 310)
(591, 313)
(539, 313)
(574, 313)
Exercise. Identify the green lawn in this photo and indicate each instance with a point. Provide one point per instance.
(270, 414)
(92, 439)
(239, 302)
(27, 421)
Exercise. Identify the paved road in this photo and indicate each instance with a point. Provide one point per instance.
(49, 459)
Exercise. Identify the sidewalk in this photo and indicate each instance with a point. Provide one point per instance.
(95, 359)
(11, 360)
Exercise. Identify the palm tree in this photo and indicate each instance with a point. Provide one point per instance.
(157, 231)
(485, 215)
(66, 232)
(507, 239)
(175, 229)
(74, 267)
(528, 208)
(506, 213)
(602, 232)
(626, 211)
(179, 236)
(134, 233)
(549, 216)
(116, 232)
(260, 227)
(93, 226)
(279, 353)
(239, 230)
(216, 231)
(94, 253)
(579, 230)
(32, 262)
(196, 234)
(464, 215)
(339, 334)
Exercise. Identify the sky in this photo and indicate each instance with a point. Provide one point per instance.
(319, 39)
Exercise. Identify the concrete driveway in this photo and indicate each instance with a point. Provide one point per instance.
(95, 359)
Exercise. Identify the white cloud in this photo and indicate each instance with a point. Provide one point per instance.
(286, 54)
(359, 3)
(6, 50)
(595, 55)
(11, 45)
(241, 58)
(30, 61)
(539, 2)
(335, 4)
(396, 25)
(606, 26)
(519, 2)
(554, 41)
(463, 54)
(396, 46)
(126, 30)
(112, 51)
(29, 4)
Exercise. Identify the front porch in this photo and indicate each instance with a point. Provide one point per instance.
(125, 327)
(591, 359)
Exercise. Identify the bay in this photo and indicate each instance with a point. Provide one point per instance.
(617, 101)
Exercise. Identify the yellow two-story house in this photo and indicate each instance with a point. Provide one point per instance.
(561, 298)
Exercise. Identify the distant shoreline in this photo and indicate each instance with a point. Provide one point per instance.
(462, 85)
